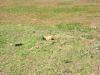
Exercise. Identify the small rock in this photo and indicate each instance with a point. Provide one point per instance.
(11, 44)
(94, 27)
(47, 38)
(37, 47)
(97, 46)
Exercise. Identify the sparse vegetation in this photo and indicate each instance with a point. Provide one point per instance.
(73, 45)
(74, 27)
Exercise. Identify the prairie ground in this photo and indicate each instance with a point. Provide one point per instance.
(74, 24)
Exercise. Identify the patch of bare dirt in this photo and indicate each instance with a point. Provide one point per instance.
(96, 73)
(1, 73)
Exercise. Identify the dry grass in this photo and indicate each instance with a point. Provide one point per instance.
(75, 24)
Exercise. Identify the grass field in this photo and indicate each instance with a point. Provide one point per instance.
(74, 24)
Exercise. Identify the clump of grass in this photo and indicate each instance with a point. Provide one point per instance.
(74, 27)
(22, 53)
(2, 41)
(68, 61)
(88, 36)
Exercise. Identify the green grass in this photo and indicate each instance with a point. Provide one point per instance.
(2, 41)
(74, 27)
(55, 10)
(72, 52)
(37, 56)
